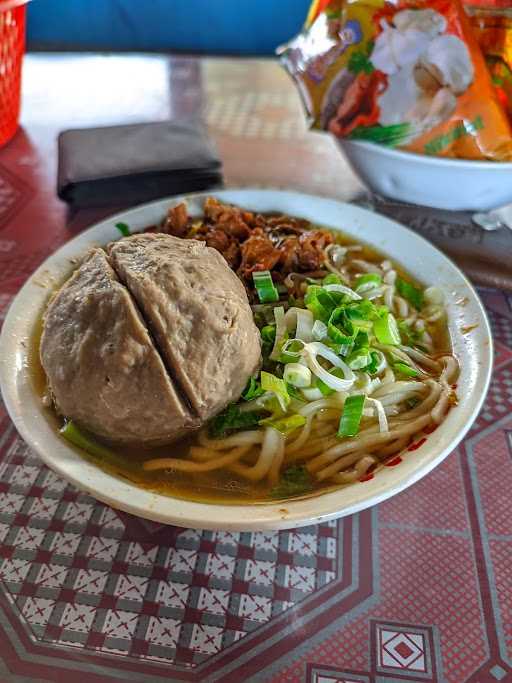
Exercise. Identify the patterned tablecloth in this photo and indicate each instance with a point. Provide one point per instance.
(416, 589)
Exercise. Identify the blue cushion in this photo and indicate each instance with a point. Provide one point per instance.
(202, 26)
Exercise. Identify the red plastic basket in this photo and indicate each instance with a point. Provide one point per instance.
(12, 47)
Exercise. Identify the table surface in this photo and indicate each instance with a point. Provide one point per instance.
(416, 589)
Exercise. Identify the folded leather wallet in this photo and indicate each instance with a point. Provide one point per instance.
(135, 163)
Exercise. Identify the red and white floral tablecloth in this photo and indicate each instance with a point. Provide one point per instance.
(416, 589)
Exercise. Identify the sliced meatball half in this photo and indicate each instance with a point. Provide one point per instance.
(102, 366)
(198, 312)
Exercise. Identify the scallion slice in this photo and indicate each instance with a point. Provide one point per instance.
(319, 302)
(340, 329)
(310, 353)
(297, 375)
(277, 386)
(343, 289)
(265, 287)
(74, 435)
(359, 359)
(351, 416)
(366, 282)
(386, 329)
(285, 425)
(281, 333)
(319, 330)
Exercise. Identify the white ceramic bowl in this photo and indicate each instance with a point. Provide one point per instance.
(474, 350)
(454, 184)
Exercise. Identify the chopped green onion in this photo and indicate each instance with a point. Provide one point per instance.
(362, 313)
(341, 330)
(268, 333)
(265, 287)
(72, 433)
(300, 321)
(332, 279)
(281, 333)
(315, 349)
(315, 393)
(362, 340)
(297, 374)
(343, 289)
(367, 281)
(351, 416)
(319, 302)
(295, 393)
(377, 362)
(386, 329)
(123, 229)
(405, 369)
(409, 292)
(252, 390)
(285, 425)
(232, 419)
(291, 350)
(319, 330)
(322, 386)
(277, 386)
(359, 359)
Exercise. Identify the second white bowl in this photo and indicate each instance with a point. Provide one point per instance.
(455, 184)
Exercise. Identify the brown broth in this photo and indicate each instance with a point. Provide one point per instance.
(210, 487)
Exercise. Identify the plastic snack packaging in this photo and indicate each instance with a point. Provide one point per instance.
(491, 21)
(406, 74)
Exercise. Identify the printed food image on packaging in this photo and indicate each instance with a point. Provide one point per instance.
(492, 25)
(407, 74)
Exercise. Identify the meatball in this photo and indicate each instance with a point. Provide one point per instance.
(148, 340)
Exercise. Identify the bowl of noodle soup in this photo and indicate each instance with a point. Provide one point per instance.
(374, 367)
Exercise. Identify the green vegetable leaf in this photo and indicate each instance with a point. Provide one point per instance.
(232, 419)
(294, 481)
(413, 294)
(285, 425)
(252, 390)
(123, 229)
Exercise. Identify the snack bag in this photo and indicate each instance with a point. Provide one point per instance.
(406, 74)
(491, 21)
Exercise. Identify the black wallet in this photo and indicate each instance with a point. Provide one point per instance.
(129, 164)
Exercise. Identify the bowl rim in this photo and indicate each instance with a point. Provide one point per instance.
(36, 431)
(427, 160)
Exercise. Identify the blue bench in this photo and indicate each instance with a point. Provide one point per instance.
(242, 27)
